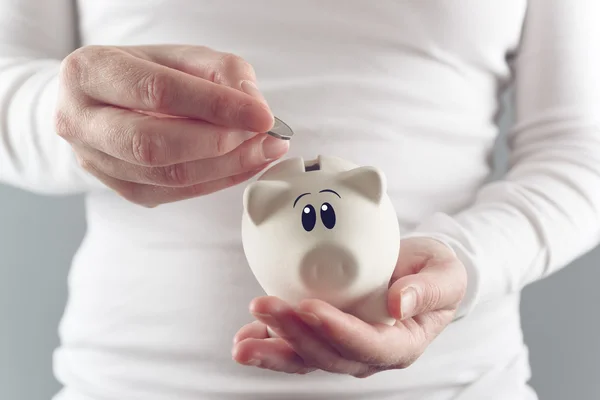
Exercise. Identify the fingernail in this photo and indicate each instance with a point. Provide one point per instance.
(408, 302)
(253, 362)
(267, 319)
(251, 89)
(309, 318)
(274, 148)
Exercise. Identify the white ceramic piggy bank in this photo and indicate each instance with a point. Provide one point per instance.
(323, 229)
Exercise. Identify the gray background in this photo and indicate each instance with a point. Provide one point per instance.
(38, 236)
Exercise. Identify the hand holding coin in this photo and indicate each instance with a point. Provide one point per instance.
(157, 131)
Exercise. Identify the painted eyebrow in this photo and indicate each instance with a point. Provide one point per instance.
(330, 191)
(298, 198)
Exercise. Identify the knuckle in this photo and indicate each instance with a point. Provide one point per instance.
(218, 77)
(232, 64)
(248, 71)
(154, 92)
(248, 157)
(219, 105)
(231, 61)
(226, 141)
(177, 174)
(147, 148)
(221, 144)
(72, 67)
(241, 161)
(63, 124)
(245, 69)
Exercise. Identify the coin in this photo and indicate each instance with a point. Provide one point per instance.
(281, 130)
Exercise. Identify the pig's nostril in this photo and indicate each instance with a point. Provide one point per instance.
(328, 268)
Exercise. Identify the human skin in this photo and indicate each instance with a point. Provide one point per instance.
(425, 291)
(159, 124)
(164, 123)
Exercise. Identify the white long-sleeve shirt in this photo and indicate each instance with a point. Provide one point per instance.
(156, 295)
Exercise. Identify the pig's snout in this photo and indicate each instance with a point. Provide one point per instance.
(328, 267)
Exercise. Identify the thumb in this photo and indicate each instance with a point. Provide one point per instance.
(439, 285)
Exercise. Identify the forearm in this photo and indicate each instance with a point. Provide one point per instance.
(546, 211)
(543, 215)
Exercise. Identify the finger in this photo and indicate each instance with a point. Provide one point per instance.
(152, 196)
(439, 285)
(149, 140)
(251, 155)
(113, 76)
(274, 354)
(222, 68)
(284, 321)
(253, 330)
(375, 345)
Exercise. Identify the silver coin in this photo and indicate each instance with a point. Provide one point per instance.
(281, 130)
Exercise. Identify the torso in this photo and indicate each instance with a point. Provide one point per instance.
(409, 86)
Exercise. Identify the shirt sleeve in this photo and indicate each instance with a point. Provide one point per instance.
(545, 212)
(34, 37)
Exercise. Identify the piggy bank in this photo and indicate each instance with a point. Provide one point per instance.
(323, 229)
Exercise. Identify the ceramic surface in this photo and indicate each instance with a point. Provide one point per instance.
(326, 229)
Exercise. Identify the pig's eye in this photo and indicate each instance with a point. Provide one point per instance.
(309, 218)
(328, 215)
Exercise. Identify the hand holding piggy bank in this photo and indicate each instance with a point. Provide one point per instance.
(323, 229)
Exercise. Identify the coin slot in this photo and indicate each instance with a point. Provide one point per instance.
(312, 166)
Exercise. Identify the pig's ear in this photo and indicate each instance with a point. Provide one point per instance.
(262, 198)
(366, 181)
